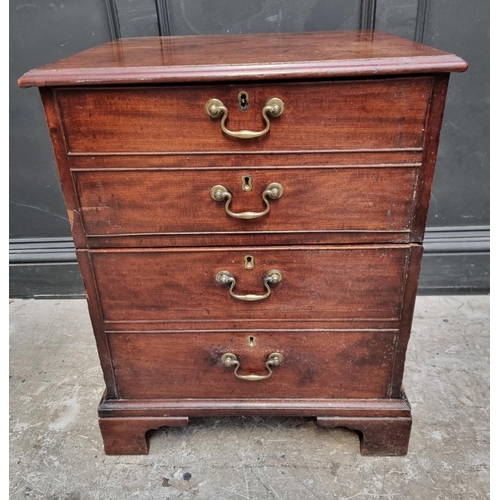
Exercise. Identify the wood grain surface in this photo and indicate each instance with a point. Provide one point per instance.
(383, 436)
(331, 364)
(229, 159)
(363, 114)
(318, 283)
(303, 407)
(326, 199)
(245, 57)
(127, 436)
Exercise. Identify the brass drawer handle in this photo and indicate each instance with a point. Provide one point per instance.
(230, 359)
(215, 109)
(226, 278)
(274, 191)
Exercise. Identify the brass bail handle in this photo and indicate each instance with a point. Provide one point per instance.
(226, 278)
(274, 191)
(274, 107)
(274, 359)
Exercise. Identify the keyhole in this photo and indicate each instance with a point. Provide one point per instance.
(252, 341)
(249, 263)
(243, 100)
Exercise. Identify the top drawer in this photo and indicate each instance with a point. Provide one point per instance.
(377, 114)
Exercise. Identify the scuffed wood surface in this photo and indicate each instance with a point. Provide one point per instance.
(244, 57)
(162, 202)
(361, 115)
(331, 364)
(319, 283)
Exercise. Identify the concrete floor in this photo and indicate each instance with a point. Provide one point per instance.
(56, 450)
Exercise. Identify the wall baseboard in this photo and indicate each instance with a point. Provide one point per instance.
(456, 261)
(44, 268)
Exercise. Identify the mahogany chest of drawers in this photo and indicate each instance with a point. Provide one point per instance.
(248, 213)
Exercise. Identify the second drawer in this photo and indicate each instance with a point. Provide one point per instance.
(142, 202)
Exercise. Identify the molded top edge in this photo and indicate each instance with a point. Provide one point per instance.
(275, 56)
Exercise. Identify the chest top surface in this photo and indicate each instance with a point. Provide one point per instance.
(251, 57)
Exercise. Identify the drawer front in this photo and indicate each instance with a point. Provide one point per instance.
(318, 284)
(341, 115)
(330, 364)
(179, 201)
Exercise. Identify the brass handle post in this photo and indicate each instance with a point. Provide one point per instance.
(215, 109)
(274, 359)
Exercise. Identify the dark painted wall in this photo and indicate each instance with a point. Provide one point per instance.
(42, 31)
(47, 30)
(461, 195)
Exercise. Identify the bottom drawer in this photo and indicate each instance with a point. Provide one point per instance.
(319, 364)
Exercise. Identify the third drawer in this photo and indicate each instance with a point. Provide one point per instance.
(207, 285)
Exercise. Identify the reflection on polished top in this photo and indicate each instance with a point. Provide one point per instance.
(252, 57)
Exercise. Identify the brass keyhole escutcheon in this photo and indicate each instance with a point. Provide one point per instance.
(249, 262)
(246, 182)
(252, 341)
